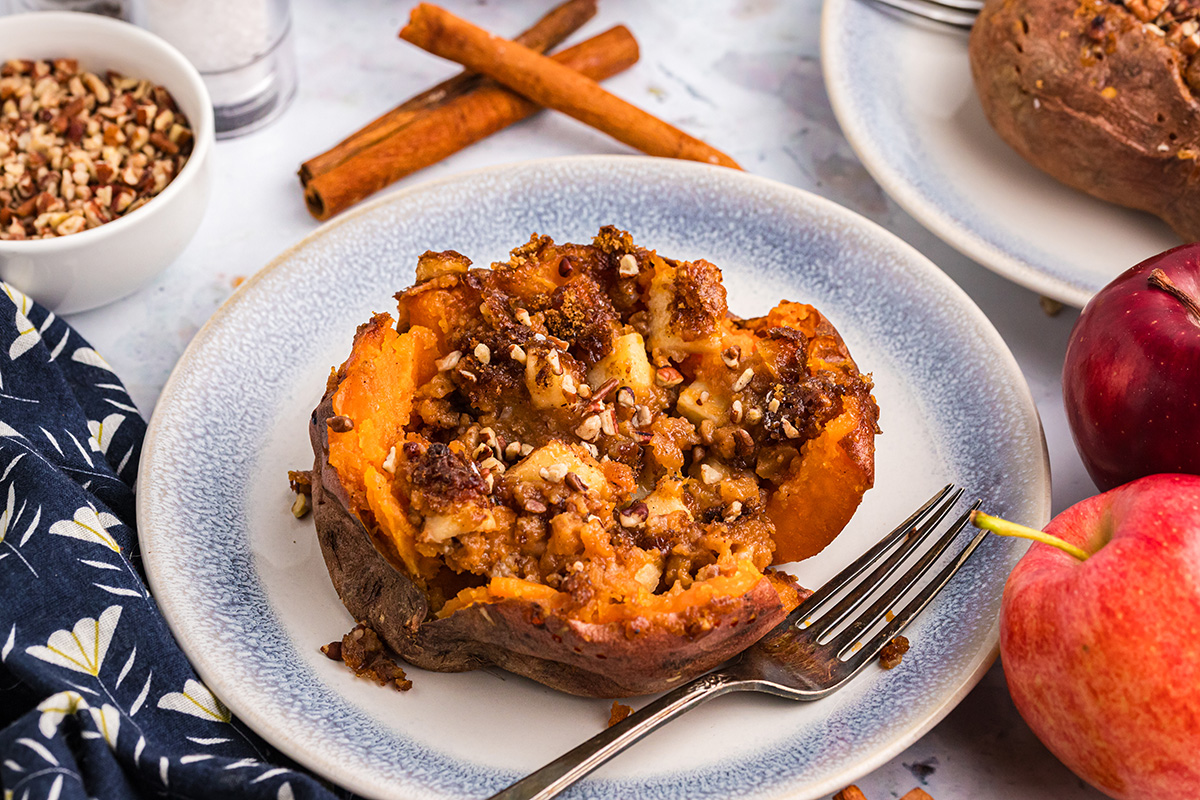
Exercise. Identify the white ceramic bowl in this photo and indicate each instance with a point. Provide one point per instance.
(97, 266)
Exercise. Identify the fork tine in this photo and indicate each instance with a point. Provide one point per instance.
(915, 606)
(860, 565)
(883, 604)
(945, 13)
(914, 529)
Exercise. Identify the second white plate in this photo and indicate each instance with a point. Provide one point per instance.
(904, 97)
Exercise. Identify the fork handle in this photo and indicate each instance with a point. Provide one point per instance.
(556, 776)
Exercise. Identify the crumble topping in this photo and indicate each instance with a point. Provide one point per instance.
(594, 422)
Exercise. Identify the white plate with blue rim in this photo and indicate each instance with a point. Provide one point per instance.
(903, 95)
(244, 588)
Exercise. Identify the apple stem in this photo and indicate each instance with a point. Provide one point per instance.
(1003, 527)
(1159, 280)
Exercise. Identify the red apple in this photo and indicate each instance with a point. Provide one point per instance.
(1131, 380)
(1102, 655)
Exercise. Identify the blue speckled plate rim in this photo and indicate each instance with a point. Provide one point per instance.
(259, 714)
(912, 180)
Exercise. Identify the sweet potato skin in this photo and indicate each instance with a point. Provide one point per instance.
(594, 660)
(1083, 90)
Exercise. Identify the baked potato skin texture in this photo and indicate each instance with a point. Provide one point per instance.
(593, 660)
(1089, 94)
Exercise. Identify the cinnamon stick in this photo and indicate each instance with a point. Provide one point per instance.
(443, 130)
(551, 84)
(544, 35)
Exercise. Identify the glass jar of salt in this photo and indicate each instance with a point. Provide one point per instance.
(242, 48)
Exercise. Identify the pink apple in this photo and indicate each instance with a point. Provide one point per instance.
(1131, 377)
(1102, 655)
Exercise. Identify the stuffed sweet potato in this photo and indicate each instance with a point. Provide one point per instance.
(579, 467)
(1100, 94)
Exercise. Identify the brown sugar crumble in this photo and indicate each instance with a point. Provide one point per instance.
(300, 482)
(892, 652)
(79, 149)
(367, 657)
(618, 712)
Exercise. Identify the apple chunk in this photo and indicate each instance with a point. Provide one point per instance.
(697, 403)
(628, 365)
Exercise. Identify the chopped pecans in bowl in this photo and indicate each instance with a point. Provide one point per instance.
(78, 149)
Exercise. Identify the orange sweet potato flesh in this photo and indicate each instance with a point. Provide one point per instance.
(468, 515)
(824, 487)
(375, 389)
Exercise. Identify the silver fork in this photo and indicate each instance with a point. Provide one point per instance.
(955, 13)
(805, 657)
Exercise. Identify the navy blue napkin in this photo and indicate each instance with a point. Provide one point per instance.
(96, 698)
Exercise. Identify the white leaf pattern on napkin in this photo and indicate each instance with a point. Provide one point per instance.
(27, 337)
(6, 515)
(9, 520)
(83, 648)
(27, 334)
(108, 721)
(89, 526)
(104, 430)
(86, 355)
(196, 700)
(55, 707)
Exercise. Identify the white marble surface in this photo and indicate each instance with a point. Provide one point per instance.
(742, 74)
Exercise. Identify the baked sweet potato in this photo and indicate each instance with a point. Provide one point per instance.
(1099, 94)
(579, 467)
